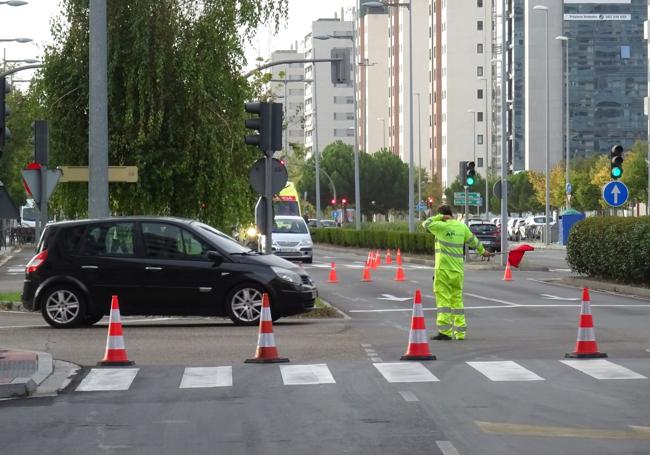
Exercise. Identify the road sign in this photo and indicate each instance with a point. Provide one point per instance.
(473, 199)
(33, 177)
(615, 193)
(8, 210)
(115, 174)
(278, 179)
(496, 189)
(569, 188)
(421, 207)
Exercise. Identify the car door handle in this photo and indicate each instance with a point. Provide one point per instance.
(89, 267)
(155, 269)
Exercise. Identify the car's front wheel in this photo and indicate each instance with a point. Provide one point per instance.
(244, 304)
(63, 306)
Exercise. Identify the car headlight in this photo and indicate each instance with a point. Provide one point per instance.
(306, 243)
(287, 275)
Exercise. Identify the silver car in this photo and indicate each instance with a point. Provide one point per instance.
(291, 239)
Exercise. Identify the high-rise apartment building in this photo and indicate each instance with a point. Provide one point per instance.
(461, 84)
(608, 73)
(329, 112)
(287, 87)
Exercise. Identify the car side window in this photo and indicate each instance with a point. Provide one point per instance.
(72, 237)
(111, 239)
(167, 241)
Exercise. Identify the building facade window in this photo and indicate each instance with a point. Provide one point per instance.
(479, 162)
(479, 139)
(479, 48)
(479, 116)
(479, 94)
(479, 25)
(479, 71)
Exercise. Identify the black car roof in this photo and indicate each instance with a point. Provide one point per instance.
(122, 218)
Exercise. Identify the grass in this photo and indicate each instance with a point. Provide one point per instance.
(9, 296)
(321, 311)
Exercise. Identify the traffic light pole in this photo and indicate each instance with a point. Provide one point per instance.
(268, 196)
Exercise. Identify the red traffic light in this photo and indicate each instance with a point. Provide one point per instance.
(333, 201)
(344, 201)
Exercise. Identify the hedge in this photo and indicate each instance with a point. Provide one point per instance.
(407, 242)
(611, 248)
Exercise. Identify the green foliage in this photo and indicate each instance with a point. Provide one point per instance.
(612, 248)
(417, 242)
(392, 226)
(175, 98)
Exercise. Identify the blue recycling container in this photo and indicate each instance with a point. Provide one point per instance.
(567, 219)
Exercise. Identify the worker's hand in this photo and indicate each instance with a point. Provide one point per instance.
(487, 254)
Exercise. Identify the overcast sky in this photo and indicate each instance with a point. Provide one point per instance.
(33, 21)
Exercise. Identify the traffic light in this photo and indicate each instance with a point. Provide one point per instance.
(5, 134)
(344, 201)
(341, 68)
(333, 201)
(268, 124)
(616, 161)
(430, 202)
(470, 175)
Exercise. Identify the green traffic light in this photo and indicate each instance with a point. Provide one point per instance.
(470, 181)
(617, 172)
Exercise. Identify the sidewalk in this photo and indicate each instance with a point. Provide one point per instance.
(21, 372)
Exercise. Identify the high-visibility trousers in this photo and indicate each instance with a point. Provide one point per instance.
(448, 288)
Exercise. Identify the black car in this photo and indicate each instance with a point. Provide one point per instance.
(156, 266)
(489, 235)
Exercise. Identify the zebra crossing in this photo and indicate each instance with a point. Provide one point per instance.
(121, 379)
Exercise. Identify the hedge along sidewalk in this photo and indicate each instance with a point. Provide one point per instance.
(608, 286)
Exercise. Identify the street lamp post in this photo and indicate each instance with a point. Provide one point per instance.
(16, 40)
(419, 160)
(410, 16)
(565, 42)
(487, 143)
(314, 122)
(544, 9)
(14, 3)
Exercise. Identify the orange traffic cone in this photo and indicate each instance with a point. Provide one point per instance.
(266, 351)
(333, 278)
(586, 346)
(366, 273)
(507, 276)
(115, 350)
(399, 275)
(378, 258)
(418, 347)
(399, 257)
(369, 260)
(373, 261)
(389, 261)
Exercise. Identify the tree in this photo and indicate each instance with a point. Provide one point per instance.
(522, 198)
(175, 97)
(556, 186)
(635, 174)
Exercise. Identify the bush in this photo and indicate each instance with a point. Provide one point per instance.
(415, 242)
(611, 248)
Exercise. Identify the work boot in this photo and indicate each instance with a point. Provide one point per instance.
(441, 336)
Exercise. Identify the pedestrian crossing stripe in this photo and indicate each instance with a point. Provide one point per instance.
(112, 379)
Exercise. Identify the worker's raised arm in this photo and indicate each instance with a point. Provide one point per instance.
(473, 242)
(435, 224)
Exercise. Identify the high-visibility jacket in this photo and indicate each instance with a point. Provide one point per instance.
(451, 236)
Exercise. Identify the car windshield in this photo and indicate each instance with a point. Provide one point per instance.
(289, 226)
(483, 228)
(540, 219)
(221, 240)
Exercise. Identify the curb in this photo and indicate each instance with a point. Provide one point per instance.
(605, 286)
(20, 387)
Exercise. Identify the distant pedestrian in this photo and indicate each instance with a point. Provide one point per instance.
(451, 237)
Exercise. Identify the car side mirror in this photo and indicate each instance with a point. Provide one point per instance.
(215, 257)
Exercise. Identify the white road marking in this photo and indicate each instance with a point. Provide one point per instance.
(409, 396)
(559, 270)
(363, 345)
(602, 369)
(370, 351)
(447, 448)
(555, 297)
(504, 371)
(393, 298)
(405, 372)
(200, 377)
(108, 379)
(376, 359)
(306, 374)
(354, 266)
(516, 306)
(481, 297)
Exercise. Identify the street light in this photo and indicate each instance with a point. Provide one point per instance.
(419, 160)
(357, 190)
(565, 43)
(410, 10)
(487, 144)
(473, 112)
(544, 9)
(14, 3)
(314, 143)
(16, 40)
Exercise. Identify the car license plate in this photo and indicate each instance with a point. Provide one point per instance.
(287, 250)
(314, 294)
(487, 242)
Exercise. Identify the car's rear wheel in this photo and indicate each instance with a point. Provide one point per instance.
(244, 304)
(91, 319)
(63, 306)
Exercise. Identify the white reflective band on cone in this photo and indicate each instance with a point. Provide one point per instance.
(418, 336)
(586, 334)
(585, 308)
(417, 311)
(115, 316)
(266, 340)
(266, 314)
(115, 342)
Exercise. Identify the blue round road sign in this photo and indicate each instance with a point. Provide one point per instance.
(615, 193)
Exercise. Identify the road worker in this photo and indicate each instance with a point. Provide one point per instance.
(451, 237)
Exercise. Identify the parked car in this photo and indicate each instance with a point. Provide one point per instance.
(156, 266)
(291, 238)
(323, 223)
(533, 226)
(488, 234)
(513, 228)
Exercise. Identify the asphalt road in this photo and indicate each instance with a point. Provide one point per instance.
(346, 395)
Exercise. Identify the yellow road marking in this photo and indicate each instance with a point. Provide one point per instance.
(635, 432)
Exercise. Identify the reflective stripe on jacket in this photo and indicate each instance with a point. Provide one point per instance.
(451, 236)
